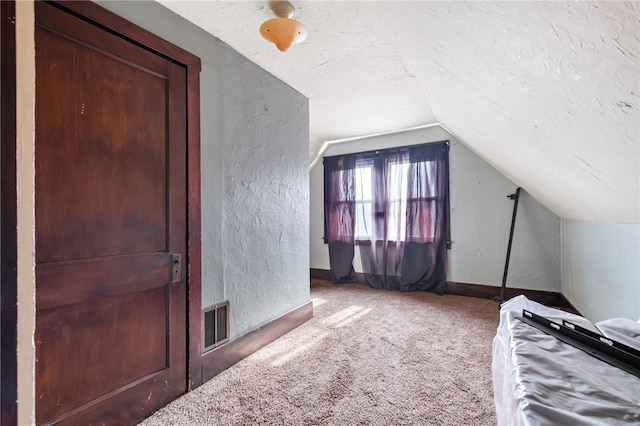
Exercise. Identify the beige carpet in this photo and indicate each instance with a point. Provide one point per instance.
(368, 357)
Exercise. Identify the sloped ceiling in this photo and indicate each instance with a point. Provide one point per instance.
(546, 92)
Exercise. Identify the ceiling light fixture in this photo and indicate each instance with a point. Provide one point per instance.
(283, 31)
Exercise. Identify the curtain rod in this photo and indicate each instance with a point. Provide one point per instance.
(326, 144)
(383, 152)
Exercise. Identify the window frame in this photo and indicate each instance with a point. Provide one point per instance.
(379, 154)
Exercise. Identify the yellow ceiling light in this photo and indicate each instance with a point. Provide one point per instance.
(283, 31)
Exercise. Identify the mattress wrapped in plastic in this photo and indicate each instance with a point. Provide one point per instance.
(540, 380)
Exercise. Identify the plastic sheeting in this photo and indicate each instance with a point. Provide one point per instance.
(540, 380)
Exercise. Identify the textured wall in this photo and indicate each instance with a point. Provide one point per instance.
(254, 139)
(480, 219)
(601, 269)
(480, 222)
(266, 193)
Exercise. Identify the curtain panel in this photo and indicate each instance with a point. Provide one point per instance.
(394, 205)
(339, 216)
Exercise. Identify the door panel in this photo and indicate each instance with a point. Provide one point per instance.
(121, 161)
(110, 212)
(112, 355)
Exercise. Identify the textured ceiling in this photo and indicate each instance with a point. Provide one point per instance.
(547, 92)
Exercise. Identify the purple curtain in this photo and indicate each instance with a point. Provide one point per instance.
(425, 252)
(382, 244)
(339, 213)
(394, 205)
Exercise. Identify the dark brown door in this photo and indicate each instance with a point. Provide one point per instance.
(110, 222)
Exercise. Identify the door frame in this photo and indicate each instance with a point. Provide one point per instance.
(115, 24)
(8, 221)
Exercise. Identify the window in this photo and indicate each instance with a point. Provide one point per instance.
(394, 203)
(386, 188)
(394, 209)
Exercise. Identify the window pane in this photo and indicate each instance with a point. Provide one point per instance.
(423, 225)
(397, 223)
(364, 220)
(364, 204)
(397, 213)
(397, 180)
(363, 183)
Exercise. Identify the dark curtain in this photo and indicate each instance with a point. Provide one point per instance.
(402, 230)
(425, 252)
(339, 213)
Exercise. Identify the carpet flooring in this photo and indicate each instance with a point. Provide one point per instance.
(368, 357)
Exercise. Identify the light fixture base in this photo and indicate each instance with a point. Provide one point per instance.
(282, 8)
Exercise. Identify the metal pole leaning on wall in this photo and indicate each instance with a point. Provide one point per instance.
(515, 197)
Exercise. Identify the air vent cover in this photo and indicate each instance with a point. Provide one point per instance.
(215, 330)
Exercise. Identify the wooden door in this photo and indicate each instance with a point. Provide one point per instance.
(110, 224)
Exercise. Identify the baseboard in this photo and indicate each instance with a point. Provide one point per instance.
(224, 356)
(567, 306)
(320, 274)
(325, 274)
(548, 298)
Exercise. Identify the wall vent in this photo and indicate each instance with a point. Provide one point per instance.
(215, 327)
